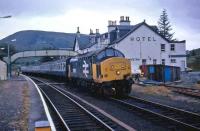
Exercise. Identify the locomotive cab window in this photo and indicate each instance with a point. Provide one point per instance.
(101, 55)
(109, 53)
(118, 54)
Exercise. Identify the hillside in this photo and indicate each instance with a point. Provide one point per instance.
(36, 40)
(193, 59)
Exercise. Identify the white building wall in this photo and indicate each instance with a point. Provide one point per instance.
(144, 43)
(3, 70)
(179, 52)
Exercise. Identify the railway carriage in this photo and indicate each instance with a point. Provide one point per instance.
(104, 71)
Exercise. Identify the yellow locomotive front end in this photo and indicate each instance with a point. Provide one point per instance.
(113, 69)
(112, 72)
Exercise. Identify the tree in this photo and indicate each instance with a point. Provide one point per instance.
(164, 26)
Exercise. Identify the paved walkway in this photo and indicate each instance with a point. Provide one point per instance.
(20, 105)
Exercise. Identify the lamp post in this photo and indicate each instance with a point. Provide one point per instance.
(9, 66)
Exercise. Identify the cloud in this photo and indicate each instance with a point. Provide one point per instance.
(33, 7)
(184, 12)
(66, 15)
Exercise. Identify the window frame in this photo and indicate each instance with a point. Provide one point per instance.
(172, 47)
(162, 47)
(163, 61)
(154, 61)
(144, 61)
(173, 60)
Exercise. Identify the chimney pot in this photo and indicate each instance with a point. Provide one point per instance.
(97, 31)
(121, 18)
(78, 30)
(127, 18)
(109, 22)
(91, 31)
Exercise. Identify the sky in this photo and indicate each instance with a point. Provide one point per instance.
(67, 15)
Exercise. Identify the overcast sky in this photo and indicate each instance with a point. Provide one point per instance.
(66, 15)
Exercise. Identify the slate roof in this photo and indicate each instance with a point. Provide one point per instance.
(83, 41)
(124, 31)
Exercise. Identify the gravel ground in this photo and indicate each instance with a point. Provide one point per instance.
(162, 95)
(189, 80)
(14, 105)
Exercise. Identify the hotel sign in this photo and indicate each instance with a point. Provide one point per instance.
(142, 38)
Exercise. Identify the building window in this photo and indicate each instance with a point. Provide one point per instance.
(163, 61)
(154, 61)
(172, 47)
(162, 47)
(144, 61)
(173, 60)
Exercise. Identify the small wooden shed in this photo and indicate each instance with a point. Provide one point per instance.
(162, 73)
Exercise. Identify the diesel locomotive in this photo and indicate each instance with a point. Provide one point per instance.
(104, 71)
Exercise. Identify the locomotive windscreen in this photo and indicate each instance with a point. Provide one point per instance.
(109, 53)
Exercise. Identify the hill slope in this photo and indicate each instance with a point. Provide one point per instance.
(36, 40)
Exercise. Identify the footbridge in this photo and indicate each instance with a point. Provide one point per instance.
(40, 53)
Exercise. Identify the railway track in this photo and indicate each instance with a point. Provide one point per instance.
(70, 114)
(186, 91)
(172, 118)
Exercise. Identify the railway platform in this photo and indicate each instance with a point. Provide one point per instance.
(21, 107)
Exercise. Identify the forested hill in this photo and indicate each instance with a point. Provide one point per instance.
(193, 59)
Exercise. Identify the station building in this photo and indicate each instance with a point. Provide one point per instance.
(141, 43)
(3, 70)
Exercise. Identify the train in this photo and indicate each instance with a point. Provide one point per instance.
(105, 71)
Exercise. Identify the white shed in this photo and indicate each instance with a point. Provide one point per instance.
(3, 70)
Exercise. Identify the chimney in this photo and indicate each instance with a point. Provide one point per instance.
(121, 18)
(111, 25)
(97, 31)
(91, 32)
(78, 32)
(127, 18)
(124, 21)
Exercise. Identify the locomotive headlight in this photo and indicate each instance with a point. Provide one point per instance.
(118, 72)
